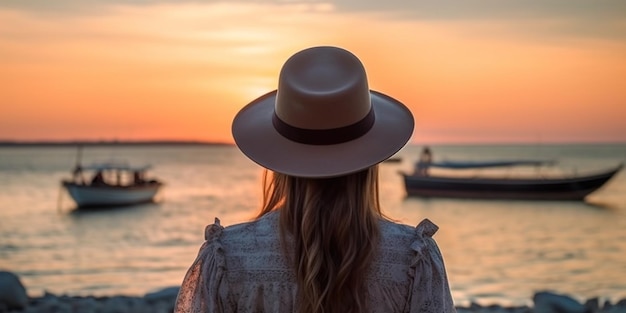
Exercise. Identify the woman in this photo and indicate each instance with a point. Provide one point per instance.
(320, 242)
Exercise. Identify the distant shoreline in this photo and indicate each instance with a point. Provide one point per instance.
(73, 143)
(110, 143)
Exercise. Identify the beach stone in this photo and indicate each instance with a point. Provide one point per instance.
(494, 308)
(593, 305)
(85, 305)
(619, 307)
(12, 292)
(548, 302)
(51, 304)
(118, 304)
(475, 307)
(165, 294)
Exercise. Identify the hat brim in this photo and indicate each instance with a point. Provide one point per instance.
(257, 138)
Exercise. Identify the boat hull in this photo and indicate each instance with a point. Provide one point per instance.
(568, 188)
(103, 196)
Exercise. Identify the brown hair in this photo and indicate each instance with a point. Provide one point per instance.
(329, 229)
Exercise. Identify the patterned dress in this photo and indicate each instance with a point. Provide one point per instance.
(242, 268)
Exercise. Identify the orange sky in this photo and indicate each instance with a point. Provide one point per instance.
(182, 71)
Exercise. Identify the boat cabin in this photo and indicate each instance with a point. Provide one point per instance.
(111, 174)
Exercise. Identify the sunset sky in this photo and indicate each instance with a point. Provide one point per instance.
(472, 71)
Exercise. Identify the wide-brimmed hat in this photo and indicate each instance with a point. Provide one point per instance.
(323, 121)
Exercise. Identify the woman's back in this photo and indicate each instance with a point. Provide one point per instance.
(246, 270)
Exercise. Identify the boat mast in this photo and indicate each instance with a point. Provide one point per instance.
(77, 173)
(79, 156)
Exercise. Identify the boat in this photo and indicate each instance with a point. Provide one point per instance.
(111, 184)
(486, 164)
(565, 187)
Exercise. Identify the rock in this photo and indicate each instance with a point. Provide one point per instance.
(162, 300)
(85, 305)
(118, 304)
(165, 294)
(593, 305)
(547, 302)
(52, 304)
(475, 306)
(613, 309)
(12, 292)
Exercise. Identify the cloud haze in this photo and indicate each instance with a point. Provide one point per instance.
(472, 70)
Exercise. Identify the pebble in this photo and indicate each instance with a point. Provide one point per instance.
(12, 292)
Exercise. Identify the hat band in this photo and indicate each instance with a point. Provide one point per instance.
(324, 136)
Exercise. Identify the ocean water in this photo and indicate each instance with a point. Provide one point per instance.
(496, 252)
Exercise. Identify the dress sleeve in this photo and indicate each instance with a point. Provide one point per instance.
(430, 291)
(201, 287)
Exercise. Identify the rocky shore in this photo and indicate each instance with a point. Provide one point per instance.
(14, 299)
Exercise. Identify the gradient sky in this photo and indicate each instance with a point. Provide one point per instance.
(482, 71)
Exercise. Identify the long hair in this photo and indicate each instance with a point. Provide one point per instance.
(332, 224)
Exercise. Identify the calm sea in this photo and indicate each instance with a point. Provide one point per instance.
(496, 251)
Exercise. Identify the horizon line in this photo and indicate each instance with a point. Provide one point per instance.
(5, 143)
(149, 142)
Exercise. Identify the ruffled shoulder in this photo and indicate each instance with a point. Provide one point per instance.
(423, 232)
(204, 286)
(425, 227)
(430, 291)
(214, 231)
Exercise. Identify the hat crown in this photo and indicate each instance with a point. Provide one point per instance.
(322, 88)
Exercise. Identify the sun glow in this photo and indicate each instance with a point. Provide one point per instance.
(182, 71)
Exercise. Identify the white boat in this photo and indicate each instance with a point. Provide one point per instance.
(111, 184)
